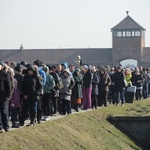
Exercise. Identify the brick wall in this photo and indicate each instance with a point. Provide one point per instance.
(127, 48)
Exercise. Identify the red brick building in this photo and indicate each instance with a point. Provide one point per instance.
(128, 43)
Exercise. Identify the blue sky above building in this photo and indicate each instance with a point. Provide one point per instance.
(67, 23)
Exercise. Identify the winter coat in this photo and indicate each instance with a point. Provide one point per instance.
(66, 91)
(87, 79)
(95, 82)
(32, 86)
(146, 79)
(19, 77)
(15, 101)
(119, 81)
(77, 89)
(10, 72)
(5, 86)
(50, 84)
(128, 78)
(112, 86)
(42, 74)
(137, 80)
(104, 82)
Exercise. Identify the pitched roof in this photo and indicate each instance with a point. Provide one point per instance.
(127, 23)
(52, 56)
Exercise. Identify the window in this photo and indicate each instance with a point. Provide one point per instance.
(135, 48)
(119, 33)
(124, 33)
(118, 49)
(132, 33)
(128, 33)
(114, 34)
(137, 33)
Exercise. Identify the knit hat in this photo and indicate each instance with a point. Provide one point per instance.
(85, 67)
(77, 70)
(18, 68)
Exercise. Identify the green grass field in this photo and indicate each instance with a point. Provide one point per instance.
(82, 131)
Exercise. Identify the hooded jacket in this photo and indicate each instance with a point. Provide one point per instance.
(32, 86)
(50, 84)
(68, 83)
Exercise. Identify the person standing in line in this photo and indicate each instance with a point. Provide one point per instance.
(112, 86)
(10, 72)
(47, 97)
(41, 73)
(137, 80)
(77, 89)
(55, 91)
(95, 82)
(19, 77)
(87, 88)
(146, 81)
(59, 72)
(15, 104)
(71, 69)
(66, 92)
(5, 95)
(128, 76)
(103, 86)
(119, 85)
(31, 90)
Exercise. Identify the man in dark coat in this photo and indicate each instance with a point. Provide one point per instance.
(5, 95)
(119, 85)
(31, 90)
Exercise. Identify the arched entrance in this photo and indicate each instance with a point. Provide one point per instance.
(131, 63)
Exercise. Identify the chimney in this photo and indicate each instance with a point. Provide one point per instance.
(21, 48)
(127, 12)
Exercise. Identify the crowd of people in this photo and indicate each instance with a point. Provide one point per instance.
(37, 91)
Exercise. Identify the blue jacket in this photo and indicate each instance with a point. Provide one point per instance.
(50, 84)
(43, 75)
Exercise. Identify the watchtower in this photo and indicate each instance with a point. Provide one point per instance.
(128, 40)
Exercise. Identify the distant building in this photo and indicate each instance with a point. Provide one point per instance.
(129, 43)
(128, 49)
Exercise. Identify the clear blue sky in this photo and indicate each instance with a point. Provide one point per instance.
(67, 23)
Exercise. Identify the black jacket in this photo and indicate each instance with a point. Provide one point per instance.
(5, 86)
(87, 79)
(119, 81)
(32, 86)
(137, 80)
(19, 77)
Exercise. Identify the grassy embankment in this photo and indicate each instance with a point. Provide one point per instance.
(87, 131)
